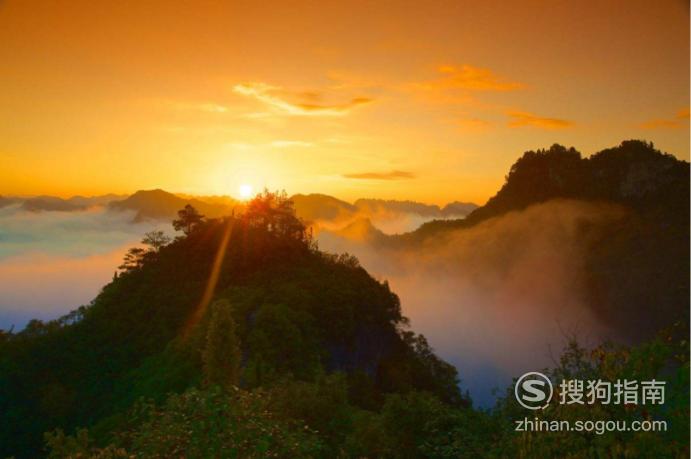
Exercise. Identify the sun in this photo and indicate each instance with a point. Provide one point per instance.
(245, 191)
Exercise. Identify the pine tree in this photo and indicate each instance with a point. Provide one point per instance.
(221, 354)
(188, 219)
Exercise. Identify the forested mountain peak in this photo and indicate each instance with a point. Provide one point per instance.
(633, 173)
(157, 204)
(299, 314)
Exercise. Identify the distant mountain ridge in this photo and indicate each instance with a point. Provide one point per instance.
(320, 206)
(6, 201)
(158, 204)
(162, 205)
(453, 209)
(54, 203)
(312, 207)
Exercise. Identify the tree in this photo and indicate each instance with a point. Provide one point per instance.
(134, 259)
(221, 354)
(188, 219)
(275, 213)
(155, 240)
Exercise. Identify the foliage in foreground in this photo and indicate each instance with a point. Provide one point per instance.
(299, 419)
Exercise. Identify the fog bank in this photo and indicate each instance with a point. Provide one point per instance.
(500, 298)
(53, 262)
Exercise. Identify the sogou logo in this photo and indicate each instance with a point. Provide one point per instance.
(534, 391)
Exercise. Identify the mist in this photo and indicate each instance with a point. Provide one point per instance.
(500, 298)
(54, 262)
(387, 221)
(496, 300)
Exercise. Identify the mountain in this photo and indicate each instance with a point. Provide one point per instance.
(300, 314)
(632, 265)
(241, 339)
(216, 200)
(162, 205)
(361, 229)
(6, 201)
(456, 208)
(314, 207)
(326, 213)
(633, 174)
(53, 203)
(375, 206)
(50, 203)
(89, 201)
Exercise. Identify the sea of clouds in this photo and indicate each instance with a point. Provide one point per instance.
(52, 262)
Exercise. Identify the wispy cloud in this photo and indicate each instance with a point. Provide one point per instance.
(678, 122)
(470, 78)
(392, 175)
(273, 98)
(525, 119)
(209, 107)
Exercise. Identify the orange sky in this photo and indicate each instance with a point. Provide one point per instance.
(411, 100)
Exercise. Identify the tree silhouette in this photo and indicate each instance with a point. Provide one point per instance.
(188, 219)
(155, 240)
(221, 354)
(274, 212)
(134, 259)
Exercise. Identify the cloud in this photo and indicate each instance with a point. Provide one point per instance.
(523, 119)
(273, 97)
(77, 233)
(470, 78)
(393, 175)
(678, 122)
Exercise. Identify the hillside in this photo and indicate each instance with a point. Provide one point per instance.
(634, 174)
(300, 314)
(312, 207)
